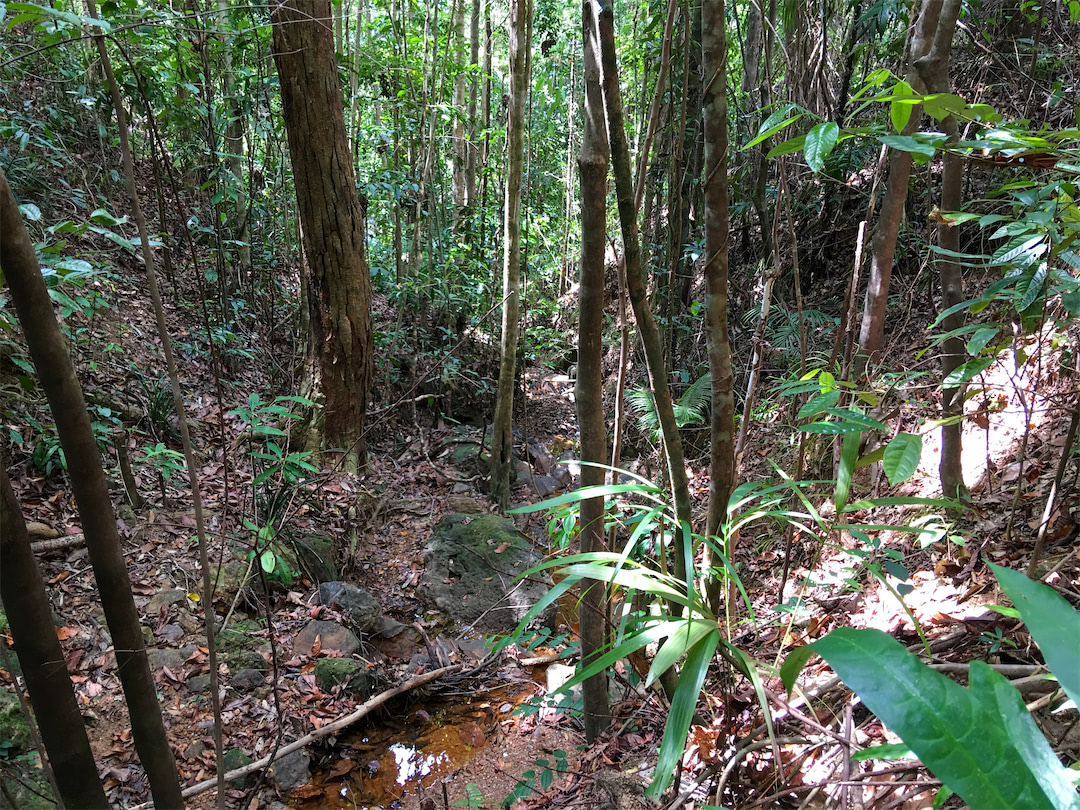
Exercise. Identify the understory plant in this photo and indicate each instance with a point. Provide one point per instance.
(981, 741)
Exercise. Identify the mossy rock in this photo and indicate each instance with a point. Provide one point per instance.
(470, 567)
(331, 672)
(315, 557)
(235, 758)
(239, 636)
(30, 790)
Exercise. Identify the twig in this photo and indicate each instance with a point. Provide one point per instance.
(318, 733)
(58, 543)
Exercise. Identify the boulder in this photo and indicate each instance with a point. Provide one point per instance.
(360, 606)
(353, 674)
(235, 758)
(470, 564)
(290, 771)
(247, 680)
(331, 635)
(315, 555)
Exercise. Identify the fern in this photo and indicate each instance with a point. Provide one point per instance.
(689, 409)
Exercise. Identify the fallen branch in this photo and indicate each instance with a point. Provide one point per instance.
(58, 542)
(318, 733)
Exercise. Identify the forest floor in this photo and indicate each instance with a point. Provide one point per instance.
(460, 743)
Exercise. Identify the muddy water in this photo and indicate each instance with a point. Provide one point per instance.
(383, 767)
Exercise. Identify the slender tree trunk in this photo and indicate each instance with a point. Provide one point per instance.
(57, 376)
(470, 112)
(722, 424)
(654, 352)
(234, 145)
(502, 444)
(883, 243)
(41, 659)
(592, 167)
(460, 143)
(933, 67)
(339, 294)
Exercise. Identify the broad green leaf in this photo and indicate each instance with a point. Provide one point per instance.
(886, 751)
(30, 211)
(948, 727)
(1002, 699)
(966, 371)
(1053, 623)
(819, 403)
(585, 493)
(906, 143)
(901, 457)
(941, 105)
(103, 217)
(820, 141)
(771, 125)
(793, 665)
(900, 108)
(681, 712)
(787, 147)
(977, 342)
(268, 561)
(676, 646)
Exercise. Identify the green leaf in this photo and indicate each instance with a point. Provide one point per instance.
(951, 729)
(682, 711)
(848, 454)
(268, 561)
(886, 751)
(900, 108)
(906, 143)
(819, 403)
(103, 217)
(901, 457)
(977, 342)
(966, 371)
(30, 212)
(793, 665)
(676, 645)
(790, 146)
(771, 125)
(1053, 623)
(820, 141)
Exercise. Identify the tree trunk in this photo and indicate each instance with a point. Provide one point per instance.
(49, 683)
(933, 67)
(654, 352)
(872, 330)
(234, 147)
(722, 424)
(470, 112)
(460, 143)
(57, 376)
(339, 294)
(589, 395)
(502, 444)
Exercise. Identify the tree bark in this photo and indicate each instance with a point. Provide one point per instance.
(339, 289)
(883, 244)
(470, 112)
(722, 422)
(589, 395)
(502, 444)
(57, 376)
(47, 679)
(654, 352)
(933, 67)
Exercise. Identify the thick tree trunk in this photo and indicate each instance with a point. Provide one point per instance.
(934, 70)
(339, 293)
(592, 165)
(722, 424)
(502, 444)
(589, 395)
(650, 338)
(47, 679)
(57, 376)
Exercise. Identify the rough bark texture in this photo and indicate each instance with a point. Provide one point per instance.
(470, 112)
(722, 424)
(502, 444)
(635, 281)
(339, 289)
(934, 70)
(57, 376)
(592, 167)
(42, 660)
(883, 244)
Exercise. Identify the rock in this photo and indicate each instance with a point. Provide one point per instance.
(469, 568)
(198, 684)
(41, 531)
(235, 758)
(465, 505)
(395, 640)
(245, 659)
(315, 555)
(545, 485)
(168, 657)
(170, 632)
(247, 680)
(542, 459)
(195, 750)
(331, 672)
(290, 771)
(467, 456)
(240, 635)
(361, 607)
(170, 596)
(331, 635)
